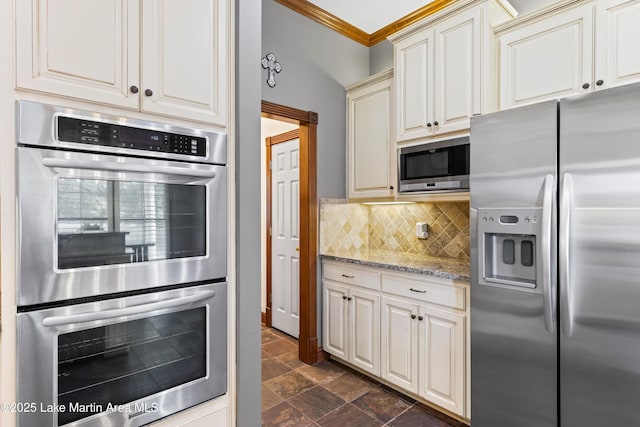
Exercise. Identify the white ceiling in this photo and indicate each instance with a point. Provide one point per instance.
(372, 15)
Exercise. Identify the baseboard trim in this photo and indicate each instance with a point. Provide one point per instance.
(263, 317)
(322, 355)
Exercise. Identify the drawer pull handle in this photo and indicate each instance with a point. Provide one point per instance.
(348, 277)
(417, 290)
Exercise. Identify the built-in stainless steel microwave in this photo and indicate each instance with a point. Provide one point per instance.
(434, 166)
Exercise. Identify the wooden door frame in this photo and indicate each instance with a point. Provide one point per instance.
(307, 131)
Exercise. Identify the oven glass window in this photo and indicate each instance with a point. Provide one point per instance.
(120, 363)
(103, 222)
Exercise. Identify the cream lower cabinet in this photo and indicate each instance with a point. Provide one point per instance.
(351, 323)
(423, 351)
(423, 332)
(569, 50)
(159, 56)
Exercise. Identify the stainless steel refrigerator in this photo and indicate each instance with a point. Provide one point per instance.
(555, 254)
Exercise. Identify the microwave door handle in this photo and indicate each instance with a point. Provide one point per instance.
(127, 311)
(126, 167)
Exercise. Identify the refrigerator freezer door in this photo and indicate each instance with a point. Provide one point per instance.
(513, 343)
(600, 258)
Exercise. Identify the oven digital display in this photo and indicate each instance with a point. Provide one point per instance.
(128, 137)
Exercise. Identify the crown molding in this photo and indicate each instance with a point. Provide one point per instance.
(407, 20)
(329, 20)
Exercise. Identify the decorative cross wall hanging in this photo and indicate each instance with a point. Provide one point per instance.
(270, 64)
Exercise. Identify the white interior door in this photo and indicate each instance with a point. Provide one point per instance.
(285, 236)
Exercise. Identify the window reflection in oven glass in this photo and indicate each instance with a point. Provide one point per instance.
(104, 222)
(127, 361)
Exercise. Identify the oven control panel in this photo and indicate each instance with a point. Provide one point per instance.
(112, 135)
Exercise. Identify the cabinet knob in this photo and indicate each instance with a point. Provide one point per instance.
(599, 82)
(429, 124)
(344, 297)
(420, 318)
(349, 299)
(148, 92)
(585, 86)
(133, 89)
(436, 123)
(413, 316)
(391, 187)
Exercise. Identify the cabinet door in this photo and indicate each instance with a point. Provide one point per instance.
(184, 48)
(364, 330)
(548, 59)
(414, 86)
(617, 35)
(335, 320)
(457, 74)
(371, 153)
(442, 358)
(399, 343)
(85, 49)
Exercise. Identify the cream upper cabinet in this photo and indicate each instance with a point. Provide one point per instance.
(617, 59)
(159, 56)
(457, 71)
(413, 58)
(371, 153)
(445, 69)
(547, 59)
(569, 49)
(184, 59)
(78, 48)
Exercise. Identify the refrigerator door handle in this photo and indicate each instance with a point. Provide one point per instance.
(547, 284)
(565, 279)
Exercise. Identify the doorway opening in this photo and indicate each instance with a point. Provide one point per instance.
(308, 210)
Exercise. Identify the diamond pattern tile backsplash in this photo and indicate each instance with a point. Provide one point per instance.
(348, 227)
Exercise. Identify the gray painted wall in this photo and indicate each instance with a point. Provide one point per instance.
(247, 162)
(317, 63)
(380, 57)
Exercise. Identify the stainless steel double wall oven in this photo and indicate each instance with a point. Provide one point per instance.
(121, 293)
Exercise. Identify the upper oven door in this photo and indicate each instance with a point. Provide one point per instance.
(93, 224)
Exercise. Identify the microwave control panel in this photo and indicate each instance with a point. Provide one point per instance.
(112, 135)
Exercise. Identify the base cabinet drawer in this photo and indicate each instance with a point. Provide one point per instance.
(346, 273)
(425, 290)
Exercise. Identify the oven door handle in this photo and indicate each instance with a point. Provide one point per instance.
(128, 311)
(126, 167)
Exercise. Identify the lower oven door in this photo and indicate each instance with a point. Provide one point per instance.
(122, 362)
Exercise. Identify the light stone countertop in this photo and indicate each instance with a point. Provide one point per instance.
(446, 268)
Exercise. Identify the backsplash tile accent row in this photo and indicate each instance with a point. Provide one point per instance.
(349, 227)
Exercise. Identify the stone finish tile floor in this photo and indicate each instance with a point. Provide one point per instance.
(330, 394)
